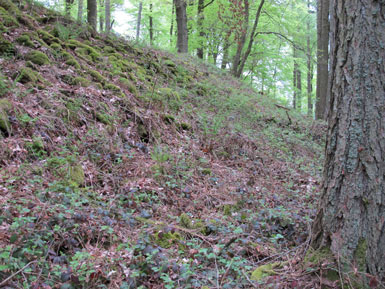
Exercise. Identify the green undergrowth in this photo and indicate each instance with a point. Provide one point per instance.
(122, 166)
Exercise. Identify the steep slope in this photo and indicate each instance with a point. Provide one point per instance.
(124, 166)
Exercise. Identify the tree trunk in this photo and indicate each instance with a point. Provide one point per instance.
(251, 40)
(309, 68)
(299, 88)
(200, 15)
(92, 11)
(151, 28)
(80, 11)
(351, 216)
(295, 79)
(241, 41)
(139, 20)
(225, 56)
(68, 6)
(181, 21)
(322, 58)
(172, 20)
(108, 16)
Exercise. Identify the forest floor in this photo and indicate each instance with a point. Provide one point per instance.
(122, 166)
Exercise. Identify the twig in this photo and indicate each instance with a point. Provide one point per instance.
(248, 279)
(216, 267)
(227, 271)
(17, 272)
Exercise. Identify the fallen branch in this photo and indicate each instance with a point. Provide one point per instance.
(4, 282)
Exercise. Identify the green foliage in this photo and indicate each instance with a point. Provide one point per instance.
(5, 108)
(25, 40)
(6, 47)
(6, 19)
(27, 75)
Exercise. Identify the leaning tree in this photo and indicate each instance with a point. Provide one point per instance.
(351, 217)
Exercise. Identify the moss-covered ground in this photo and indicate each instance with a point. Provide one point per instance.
(126, 167)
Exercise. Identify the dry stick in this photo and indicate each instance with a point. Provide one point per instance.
(247, 278)
(17, 272)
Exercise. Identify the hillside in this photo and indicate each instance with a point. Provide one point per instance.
(127, 167)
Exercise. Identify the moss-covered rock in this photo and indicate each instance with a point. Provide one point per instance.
(6, 19)
(56, 47)
(185, 221)
(109, 49)
(69, 59)
(103, 118)
(47, 37)
(25, 40)
(5, 107)
(84, 50)
(9, 6)
(76, 174)
(6, 47)
(264, 271)
(26, 75)
(97, 76)
(37, 57)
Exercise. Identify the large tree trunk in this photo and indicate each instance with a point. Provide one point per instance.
(80, 11)
(92, 10)
(322, 58)
(108, 16)
(351, 217)
(139, 20)
(295, 79)
(68, 6)
(172, 20)
(181, 21)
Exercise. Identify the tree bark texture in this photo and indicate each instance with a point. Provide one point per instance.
(181, 21)
(200, 15)
(309, 68)
(322, 57)
(172, 20)
(108, 15)
(68, 6)
(92, 12)
(80, 11)
(138, 21)
(351, 216)
(295, 79)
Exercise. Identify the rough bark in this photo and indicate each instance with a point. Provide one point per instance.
(295, 71)
(172, 20)
(181, 21)
(108, 15)
(138, 21)
(68, 6)
(92, 10)
(322, 57)
(80, 11)
(351, 216)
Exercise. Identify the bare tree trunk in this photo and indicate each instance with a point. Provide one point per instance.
(299, 88)
(172, 20)
(309, 68)
(139, 20)
(108, 16)
(80, 11)
(251, 40)
(225, 56)
(101, 15)
(200, 15)
(351, 216)
(322, 58)
(295, 79)
(92, 12)
(151, 28)
(181, 21)
(68, 5)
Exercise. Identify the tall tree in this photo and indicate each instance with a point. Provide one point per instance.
(92, 12)
(138, 21)
(68, 6)
(151, 25)
(181, 21)
(101, 15)
(322, 57)
(309, 65)
(80, 10)
(351, 217)
(108, 15)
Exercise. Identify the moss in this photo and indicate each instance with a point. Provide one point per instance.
(6, 47)
(25, 40)
(37, 57)
(6, 19)
(184, 126)
(205, 171)
(97, 76)
(9, 6)
(25, 20)
(227, 210)
(37, 144)
(103, 118)
(56, 47)
(26, 75)
(5, 107)
(360, 254)
(76, 174)
(47, 37)
(264, 271)
(168, 118)
(185, 221)
(128, 85)
(113, 87)
(166, 240)
(84, 50)
(169, 63)
(81, 81)
(109, 49)
(317, 256)
(73, 62)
